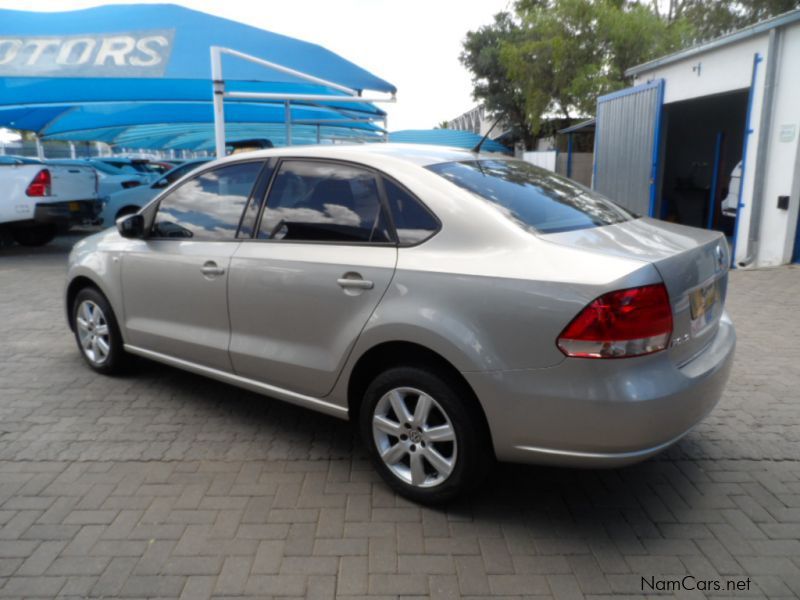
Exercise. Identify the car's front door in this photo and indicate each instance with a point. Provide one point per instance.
(175, 281)
(302, 290)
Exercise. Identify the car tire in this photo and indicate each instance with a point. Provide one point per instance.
(413, 452)
(35, 235)
(97, 333)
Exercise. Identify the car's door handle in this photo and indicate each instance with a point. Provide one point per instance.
(353, 283)
(211, 268)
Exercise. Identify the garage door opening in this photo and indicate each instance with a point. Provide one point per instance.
(703, 142)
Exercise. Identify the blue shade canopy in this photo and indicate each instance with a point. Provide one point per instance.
(111, 68)
(446, 137)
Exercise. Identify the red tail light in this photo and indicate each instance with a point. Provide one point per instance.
(621, 324)
(40, 186)
(131, 184)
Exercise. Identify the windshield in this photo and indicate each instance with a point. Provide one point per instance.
(533, 197)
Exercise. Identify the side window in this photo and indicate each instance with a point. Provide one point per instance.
(323, 202)
(414, 223)
(208, 207)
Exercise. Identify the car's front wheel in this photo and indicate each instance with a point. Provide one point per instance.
(423, 434)
(97, 332)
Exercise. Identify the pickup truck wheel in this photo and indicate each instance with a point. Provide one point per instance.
(36, 235)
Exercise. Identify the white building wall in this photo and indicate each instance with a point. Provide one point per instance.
(782, 174)
(730, 68)
(720, 70)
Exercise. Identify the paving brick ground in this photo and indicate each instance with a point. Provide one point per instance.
(164, 484)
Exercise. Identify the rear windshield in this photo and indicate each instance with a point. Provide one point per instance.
(533, 197)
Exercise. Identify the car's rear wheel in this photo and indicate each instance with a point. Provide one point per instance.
(34, 235)
(97, 333)
(423, 434)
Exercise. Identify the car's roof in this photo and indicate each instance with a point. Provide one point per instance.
(419, 154)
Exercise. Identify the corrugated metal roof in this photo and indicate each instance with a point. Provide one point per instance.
(583, 126)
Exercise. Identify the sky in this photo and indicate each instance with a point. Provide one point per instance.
(413, 44)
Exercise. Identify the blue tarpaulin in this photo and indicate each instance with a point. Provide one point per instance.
(446, 137)
(104, 73)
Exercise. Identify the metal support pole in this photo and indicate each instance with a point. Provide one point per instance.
(712, 197)
(386, 128)
(39, 148)
(287, 112)
(569, 155)
(219, 107)
(72, 150)
(2, 148)
(764, 128)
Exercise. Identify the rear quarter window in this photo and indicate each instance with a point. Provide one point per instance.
(534, 198)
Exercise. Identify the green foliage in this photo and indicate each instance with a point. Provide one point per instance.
(571, 51)
(710, 19)
(552, 58)
(492, 85)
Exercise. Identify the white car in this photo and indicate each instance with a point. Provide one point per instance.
(129, 201)
(129, 166)
(39, 200)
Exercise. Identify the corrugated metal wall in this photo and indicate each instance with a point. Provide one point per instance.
(625, 145)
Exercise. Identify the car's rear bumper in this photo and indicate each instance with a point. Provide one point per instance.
(590, 412)
(66, 214)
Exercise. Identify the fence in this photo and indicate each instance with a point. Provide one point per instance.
(545, 159)
(582, 164)
(51, 149)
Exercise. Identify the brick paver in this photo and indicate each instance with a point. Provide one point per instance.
(165, 484)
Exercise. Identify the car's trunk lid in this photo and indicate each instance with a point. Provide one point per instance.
(692, 262)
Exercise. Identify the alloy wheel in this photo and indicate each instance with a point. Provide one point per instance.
(93, 332)
(414, 437)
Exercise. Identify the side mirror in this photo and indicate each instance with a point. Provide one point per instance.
(131, 226)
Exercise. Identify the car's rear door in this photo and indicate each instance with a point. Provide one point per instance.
(175, 281)
(302, 289)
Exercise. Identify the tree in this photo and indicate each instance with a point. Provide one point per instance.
(502, 96)
(443, 125)
(712, 19)
(553, 58)
(568, 52)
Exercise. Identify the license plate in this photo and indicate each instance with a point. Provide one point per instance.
(74, 207)
(703, 302)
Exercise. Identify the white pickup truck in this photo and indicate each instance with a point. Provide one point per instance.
(39, 200)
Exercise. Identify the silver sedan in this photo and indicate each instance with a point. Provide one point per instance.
(459, 307)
